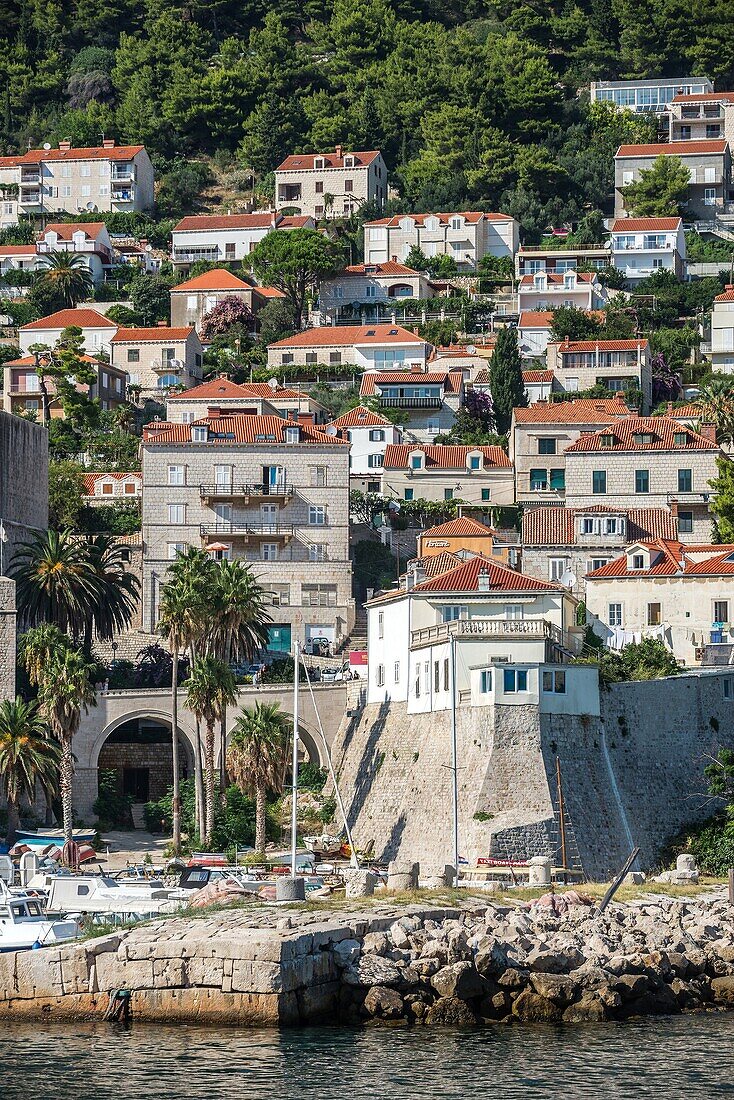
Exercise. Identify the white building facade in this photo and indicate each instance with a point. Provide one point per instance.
(642, 246)
(466, 236)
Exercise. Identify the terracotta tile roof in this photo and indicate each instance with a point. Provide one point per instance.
(666, 556)
(36, 156)
(461, 351)
(535, 318)
(537, 376)
(66, 230)
(223, 389)
(90, 480)
(268, 292)
(675, 148)
(17, 250)
(281, 393)
(582, 410)
(556, 526)
(646, 225)
(558, 279)
(603, 345)
(481, 378)
(705, 97)
(294, 221)
(462, 525)
(239, 429)
(387, 268)
(727, 296)
(306, 161)
(662, 428)
(217, 279)
(438, 563)
(360, 417)
(471, 216)
(199, 222)
(29, 361)
(348, 336)
(154, 335)
(685, 412)
(442, 456)
(452, 380)
(465, 578)
(81, 317)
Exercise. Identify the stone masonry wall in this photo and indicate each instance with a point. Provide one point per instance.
(7, 638)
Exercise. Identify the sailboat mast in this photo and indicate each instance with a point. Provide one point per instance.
(294, 779)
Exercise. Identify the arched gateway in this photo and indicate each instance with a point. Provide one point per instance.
(129, 732)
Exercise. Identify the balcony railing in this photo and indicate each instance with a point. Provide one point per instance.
(411, 402)
(30, 179)
(260, 489)
(248, 530)
(190, 256)
(488, 628)
(123, 194)
(122, 172)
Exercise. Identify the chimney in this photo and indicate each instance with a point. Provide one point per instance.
(306, 418)
(338, 150)
(483, 580)
(416, 368)
(708, 431)
(108, 143)
(394, 259)
(65, 145)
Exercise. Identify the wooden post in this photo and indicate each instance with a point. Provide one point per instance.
(731, 886)
(617, 881)
(561, 822)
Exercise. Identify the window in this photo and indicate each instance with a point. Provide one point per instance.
(721, 611)
(727, 687)
(335, 357)
(416, 462)
(685, 481)
(317, 551)
(513, 611)
(311, 357)
(709, 196)
(380, 676)
(198, 434)
(319, 187)
(176, 513)
(599, 482)
(318, 595)
(85, 170)
(554, 681)
(680, 438)
(538, 480)
(86, 191)
(654, 614)
(270, 551)
(176, 475)
(375, 462)
(642, 481)
(418, 680)
(317, 515)
(558, 480)
(475, 462)
(373, 486)
(103, 189)
(448, 494)
(614, 614)
(546, 446)
(348, 185)
(107, 489)
(377, 435)
(223, 477)
(229, 250)
(449, 612)
(685, 523)
(556, 568)
(380, 624)
(130, 488)
(408, 494)
(175, 548)
(280, 595)
(638, 561)
(318, 477)
(436, 675)
(486, 495)
(587, 526)
(596, 563)
(515, 679)
(485, 681)
(396, 672)
(286, 358)
(446, 674)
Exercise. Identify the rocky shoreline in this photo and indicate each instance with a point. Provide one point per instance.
(556, 959)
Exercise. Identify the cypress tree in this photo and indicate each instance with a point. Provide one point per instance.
(505, 379)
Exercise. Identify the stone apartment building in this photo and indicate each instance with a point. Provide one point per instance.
(22, 387)
(369, 435)
(373, 290)
(482, 477)
(102, 488)
(539, 436)
(702, 117)
(708, 162)
(262, 489)
(222, 397)
(109, 177)
(617, 365)
(372, 347)
(330, 185)
(650, 462)
(193, 299)
(466, 236)
(225, 238)
(557, 261)
(642, 246)
(722, 332)
(160, 357)
(429, 399)
(90, 241)
(23, 488)
(550, 290)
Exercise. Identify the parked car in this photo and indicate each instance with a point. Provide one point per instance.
(330, 675)
(319, 647)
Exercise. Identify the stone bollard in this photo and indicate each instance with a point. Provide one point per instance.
(539, 871)
(402, 876)
(442, 879)
(290, 889)
(359, 884)
(686, 862)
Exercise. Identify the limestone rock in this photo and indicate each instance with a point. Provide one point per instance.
(532, 1008)
(384, 1003)
(375, 943)
(589, 1009)
(346, 952)
(722, 990)
(451, 1012)
(555, 987)
(555, 962)
(458, 980)
(372, 970)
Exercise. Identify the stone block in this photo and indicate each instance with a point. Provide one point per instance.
(207, 972)
(113, 973)
(402, 875)
(359, 884)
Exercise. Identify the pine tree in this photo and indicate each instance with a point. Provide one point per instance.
(505, 379)
(722, 505)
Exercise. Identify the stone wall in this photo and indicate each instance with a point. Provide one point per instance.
(7, 638)
(23, 481)
(632, 777)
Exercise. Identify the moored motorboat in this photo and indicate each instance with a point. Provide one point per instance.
(23, 925)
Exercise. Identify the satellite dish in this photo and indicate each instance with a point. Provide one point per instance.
(273, 383)
(149, 248)
(331, 430)
(568, 580)
(471, 350)
(90, 206)
(47, 145)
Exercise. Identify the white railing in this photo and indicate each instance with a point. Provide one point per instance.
(487, 628)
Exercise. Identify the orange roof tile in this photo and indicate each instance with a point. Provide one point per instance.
(360, 417)
(221, 389)
(535, 318)
(556, 526)
(441, 456)
(537, 376)
(81, 317)
(674, 148)
(17, 250)
(268, 292)
(669, 558)
(465, 578)
(471, 216)
(90, 480)
(36, 156)
(216, 279)
(151, 335)
(461, 525)
(197, 222)
(452, 380)
(228, 430)
(348, 335)
(663, 429)
(66, 230)
(704, 97)
(29, 361)
(387, 268)
(603, 345)
(582, 410)
(305, 161)
(727, 296)
(646, 225)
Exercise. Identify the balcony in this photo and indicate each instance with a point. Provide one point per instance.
(30, 198)
(190, 256)
(122, 172)
(411, 402)
(30, 179)
(122, 194)
(261, 491)
(505, 629)
(690, 498)
(168, 366)
(249, 532)
(288, 193)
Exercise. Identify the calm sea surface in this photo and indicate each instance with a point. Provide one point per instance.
(685, 1057)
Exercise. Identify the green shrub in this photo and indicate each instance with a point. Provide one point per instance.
(111, 807)
(327, 811)
(712, 843)
(311, 777)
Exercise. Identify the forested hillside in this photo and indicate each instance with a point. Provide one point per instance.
(472, 101)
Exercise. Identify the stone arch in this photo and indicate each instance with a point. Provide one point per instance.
(156, 715)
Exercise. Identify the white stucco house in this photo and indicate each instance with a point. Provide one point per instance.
(369, 434)
(97, 330)
(372, 347)
(642, 246)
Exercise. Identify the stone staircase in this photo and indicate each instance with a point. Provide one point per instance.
(137, 812)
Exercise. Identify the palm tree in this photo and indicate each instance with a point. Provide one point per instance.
(117, 591)
(26, 754)
(37, 647)
(55, 581)
(180, 623)
(238, 629)
(66, 690)
(716, 401)
(68, 276)
(258, 757)
(210, 688)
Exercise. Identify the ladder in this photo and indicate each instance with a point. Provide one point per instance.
(567, 848)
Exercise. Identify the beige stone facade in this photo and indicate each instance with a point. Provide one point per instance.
(480, 476)
(323, 185)
(158, 358)
(618, 365)
(466, 236)
(281, 506)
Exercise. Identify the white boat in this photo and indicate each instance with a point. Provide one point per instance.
(23, 925)
(100, 894)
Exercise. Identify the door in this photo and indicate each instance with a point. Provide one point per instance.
(272, 478)
(223, 512)
(279, 638)
(269, 517)
(136, 783)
